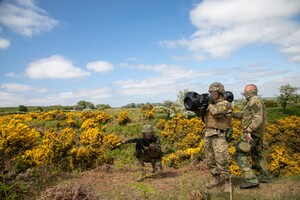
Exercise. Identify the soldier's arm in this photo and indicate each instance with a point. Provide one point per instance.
(238, 115)
(197, 113)
(257, 111)
(157, 141)
(220, 109)
(135, 140)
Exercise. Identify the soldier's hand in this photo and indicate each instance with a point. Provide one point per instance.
(152, 147)
(249, 138)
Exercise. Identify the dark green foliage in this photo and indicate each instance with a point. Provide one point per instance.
(23, 108)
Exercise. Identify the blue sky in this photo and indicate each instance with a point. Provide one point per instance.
(58, 52)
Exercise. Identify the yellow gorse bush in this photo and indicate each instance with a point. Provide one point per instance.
(71, 140)
(16, 137)
(149, 114)
(111, 141)
(123, 118)
(91, 136)
(185, 138)
(283, 139)
(56, 142)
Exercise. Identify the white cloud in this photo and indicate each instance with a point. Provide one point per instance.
(224, 26)
(15, 87)
(12, 75)
(71, 98)
(9, 99)
(169, 79)
(100, 66)
(54, 67)
(4, 43)
(24, 18)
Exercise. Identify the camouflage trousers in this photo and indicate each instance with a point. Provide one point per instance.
(217, 156)
(155, 162)
(254, 150)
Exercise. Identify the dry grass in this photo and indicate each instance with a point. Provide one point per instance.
(71, 191)
(107, 182)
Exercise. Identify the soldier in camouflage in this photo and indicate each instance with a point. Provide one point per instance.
(217, 118)
(148, 150)
(251, 141)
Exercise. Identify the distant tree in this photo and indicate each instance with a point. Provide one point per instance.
(287, 95)
(84, 104)
(130, 105)
(67, 108)
(168, 103)
(102, 106)
(56, 107)
(40, 109)
(23, 108)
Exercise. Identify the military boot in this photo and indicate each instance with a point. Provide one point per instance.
(247, 185)
(213, 183)
(264, 179)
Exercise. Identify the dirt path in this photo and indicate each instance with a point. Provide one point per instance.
(106, 182)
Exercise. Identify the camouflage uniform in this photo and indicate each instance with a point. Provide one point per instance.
(149, 153)
(253, 118)
(217, 119)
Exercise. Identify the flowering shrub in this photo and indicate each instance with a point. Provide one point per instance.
(149, 114)
(91, 136)
(283, 140)
(123, 118)
(183, 138)
(24, 143)
(111, 141)
(15, 138)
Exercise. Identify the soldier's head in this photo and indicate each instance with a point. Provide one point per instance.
(250, 91)
(216, 90)
(148, 132)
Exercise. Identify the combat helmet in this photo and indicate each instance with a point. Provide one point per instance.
(216, 87)
(148, 131)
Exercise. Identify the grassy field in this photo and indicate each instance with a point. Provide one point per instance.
(118, 180)
(187, 183)
(276, 113)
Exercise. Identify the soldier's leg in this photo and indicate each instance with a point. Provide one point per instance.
(222, 156)
(158, 168)
(142, 171)
(241, 158)
(211, 163)
(259, 162)
(210, 156)
(140, 156)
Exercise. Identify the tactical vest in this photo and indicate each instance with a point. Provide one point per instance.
(221, 122)
(153, 153)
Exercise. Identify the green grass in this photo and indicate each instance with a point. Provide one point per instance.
(276, 113)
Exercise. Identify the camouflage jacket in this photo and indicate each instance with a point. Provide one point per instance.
(253, 116)
(217, 116)
(151, 148)
(153, 151)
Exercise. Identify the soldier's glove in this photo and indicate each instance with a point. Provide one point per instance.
(249, 138)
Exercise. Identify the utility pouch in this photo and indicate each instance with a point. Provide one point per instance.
(228, 134)
(243, 144)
